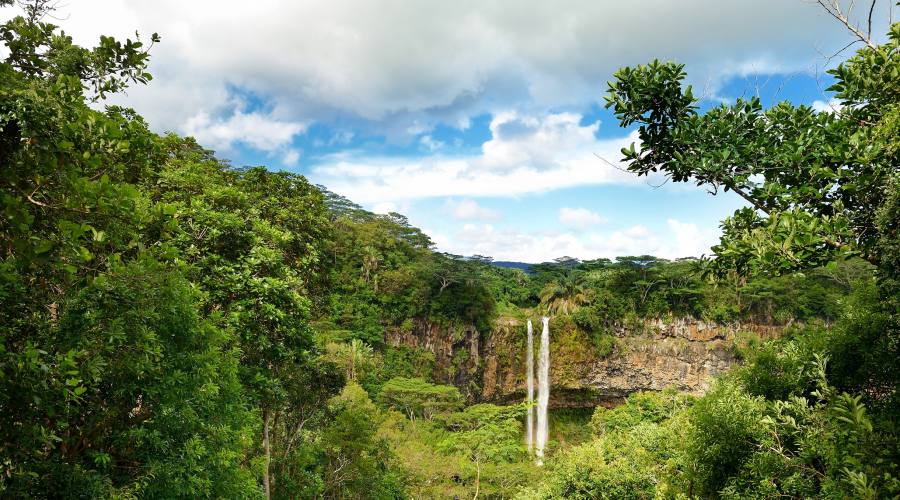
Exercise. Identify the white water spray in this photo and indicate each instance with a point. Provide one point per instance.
(543, 391)
(529, 425)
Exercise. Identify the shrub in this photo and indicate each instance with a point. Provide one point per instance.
(640, 407)
(725, 429)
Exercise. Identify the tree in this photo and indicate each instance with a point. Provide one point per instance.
(358, 462)
(565, 295)
(485, 433)
(85, 192)
(354, 357)
(821, 186)
(296, 430)
(418, 398)
(814, 181)
(109, 375)
(448, 270)
(252, 240)
(147, 400)
(38, 49)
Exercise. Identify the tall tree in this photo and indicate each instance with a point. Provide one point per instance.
(112, 383)
(814, 180)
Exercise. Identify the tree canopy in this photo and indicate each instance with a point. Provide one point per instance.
(174, 327)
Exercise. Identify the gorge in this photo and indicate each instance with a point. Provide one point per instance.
(651, 355)
(175, 325)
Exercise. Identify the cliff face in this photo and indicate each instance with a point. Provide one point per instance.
(648, 355)
(685, 354)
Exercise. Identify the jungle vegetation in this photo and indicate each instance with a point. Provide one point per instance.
(172, 326)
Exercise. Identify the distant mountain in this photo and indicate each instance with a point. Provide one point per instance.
(515, 265)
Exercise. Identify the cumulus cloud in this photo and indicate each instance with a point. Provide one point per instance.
(469, 209)
(537, 141)
(393, 64)
(526, 154)
(257, 130)
(690, 240)
(681, 239)
(384, 207)
(254, 129)
(580, 218)
(832, 106)
(290, 158)
(431, 144)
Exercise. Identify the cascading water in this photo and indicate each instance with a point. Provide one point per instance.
(543, 391)
(529, 429)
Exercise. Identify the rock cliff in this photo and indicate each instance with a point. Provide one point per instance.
(647, 355)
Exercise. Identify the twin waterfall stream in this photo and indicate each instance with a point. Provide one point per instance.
(537, 437)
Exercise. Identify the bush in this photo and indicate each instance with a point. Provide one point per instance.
(604, 344)
(640, 407)
(358, 462)
(725, 430)
(614, 468)
(781, 368)
(409, 362)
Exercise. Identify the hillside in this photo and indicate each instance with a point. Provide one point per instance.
(172, 326)
(513, 265)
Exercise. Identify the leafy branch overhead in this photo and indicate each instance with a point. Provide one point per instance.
(39, 49)
(814, 180)
(174, 327)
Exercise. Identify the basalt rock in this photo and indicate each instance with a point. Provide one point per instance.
(648, 355)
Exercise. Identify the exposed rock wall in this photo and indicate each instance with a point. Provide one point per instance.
(685, 354)
(648, 355)
(457, 352)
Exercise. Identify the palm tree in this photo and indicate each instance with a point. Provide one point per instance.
(358, 353)
(565, 295)
(370, 261)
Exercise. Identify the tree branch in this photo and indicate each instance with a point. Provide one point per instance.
(834, 9)
(756, 204)
(871, 10)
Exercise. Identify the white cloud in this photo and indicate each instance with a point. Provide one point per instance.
(680, 240)
(689, 240)
(291, 158)
(832, 106)
(536, 141)
(384, 207)
(399, 64)
(431, 144)
(579, 218)
(257, 130)
(470, 209)
(526, 154)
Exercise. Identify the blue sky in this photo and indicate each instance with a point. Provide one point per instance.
(480, 121)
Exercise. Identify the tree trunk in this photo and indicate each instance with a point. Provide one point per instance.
(268, 452)
(477, 478)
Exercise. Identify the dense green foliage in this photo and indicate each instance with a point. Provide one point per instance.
(601, 292)
(155, 337)
(418, 398)
(174, 327)
(812, 415)
(755, 435)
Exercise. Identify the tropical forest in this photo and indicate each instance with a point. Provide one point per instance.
(184, 315)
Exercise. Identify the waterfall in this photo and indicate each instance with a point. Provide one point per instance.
(529, 425)
(543, 391)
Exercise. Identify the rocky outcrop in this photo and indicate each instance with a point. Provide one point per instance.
(680, 353)
(648, 355)
(457, 351)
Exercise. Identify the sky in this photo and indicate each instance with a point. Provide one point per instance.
(482, 121)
